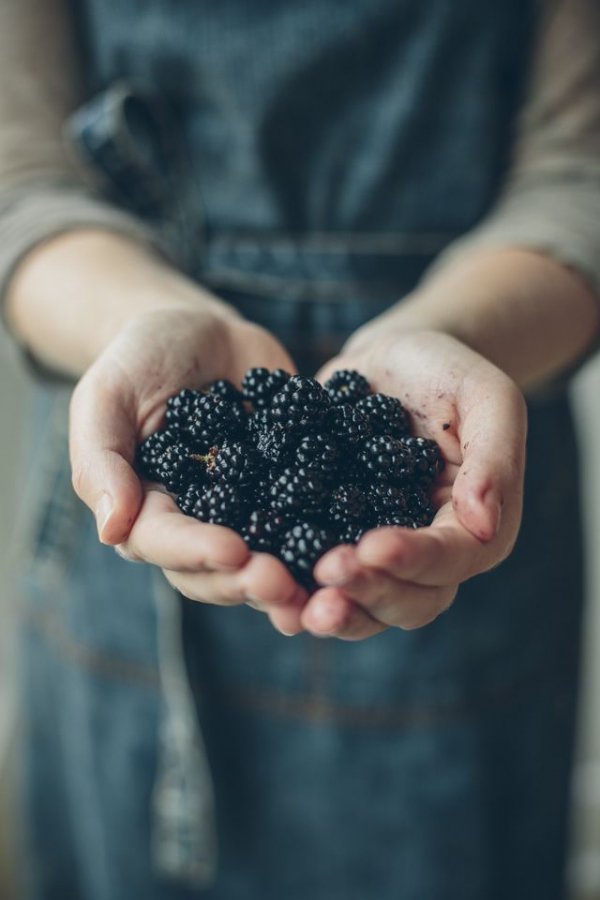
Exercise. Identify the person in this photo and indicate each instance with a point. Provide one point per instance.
(408, 189)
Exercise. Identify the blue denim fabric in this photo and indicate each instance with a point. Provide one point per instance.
(333, 151)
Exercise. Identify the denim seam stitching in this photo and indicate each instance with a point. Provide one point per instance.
(49, 625)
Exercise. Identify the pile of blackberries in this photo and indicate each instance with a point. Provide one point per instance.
(293, 466)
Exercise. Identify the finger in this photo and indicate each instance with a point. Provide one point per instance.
(400, 604)
(443, 554)
(493, 430)
(268, 583)
(215, 588)
(262, 580)
(102, 447)
(330, 613)
(163, 536)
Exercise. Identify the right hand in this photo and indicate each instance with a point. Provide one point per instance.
(119, 401)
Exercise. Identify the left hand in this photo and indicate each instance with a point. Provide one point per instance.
(402, 577)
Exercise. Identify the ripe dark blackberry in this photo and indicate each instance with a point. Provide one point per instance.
(187, 499)
(383, 458)
(418, 504)
(213, 421)
(347, 425)
(402, 519)
(149, 452)
(300, 405)
(387, 499)
(234, 463)
(260, 385)
(298, 492)
(226, 391)
(349, 513)
(348, 502)
(302, 546)
(385, 415)
(318, 452)
(221, 504)
(347, 386)
(175, 470)
(427, 458)
(181, 407)
(264, 529)
(276, 444)
(258, 421)
(349, 532)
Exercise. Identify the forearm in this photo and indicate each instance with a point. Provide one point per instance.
(526, 313)
(72, 294)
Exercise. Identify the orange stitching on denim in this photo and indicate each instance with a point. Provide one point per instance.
(322, 710)
(116, 668)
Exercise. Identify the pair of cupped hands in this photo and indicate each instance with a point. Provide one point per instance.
(394, 576)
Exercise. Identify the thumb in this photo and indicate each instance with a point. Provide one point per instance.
(102, 446)
(488, 488)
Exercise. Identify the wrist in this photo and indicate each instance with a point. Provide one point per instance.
(73, 294)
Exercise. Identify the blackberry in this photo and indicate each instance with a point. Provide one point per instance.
(318, 452)
(404, 520)
(384, 458)
(276, 444)
(347, 386)
(234, 463)
(221, 504)
(387, 499)
(181, 407)
(300, 405)
(385, 415)
(350, 532)
(262, 498)
(301, 547)
(260, 385)
(347, 425)
(263, 530)
(418, 504)
(301, 492)
(175, 469)
(186, 501)
(348, 514)
(226, 391)
(149, 452)
(214, 420)
(348, 503)
(258, 421)
(427, 458)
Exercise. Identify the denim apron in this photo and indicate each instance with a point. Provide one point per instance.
(327, 153)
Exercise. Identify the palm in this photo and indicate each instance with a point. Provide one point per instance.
(403, 577)
(120, 400)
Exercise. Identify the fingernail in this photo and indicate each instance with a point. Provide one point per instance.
(287, 633)
(103, 513)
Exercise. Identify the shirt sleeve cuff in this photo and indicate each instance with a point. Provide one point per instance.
(559, 220)
(29, 216)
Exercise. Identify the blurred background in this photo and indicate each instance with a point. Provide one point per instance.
(585, 843)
